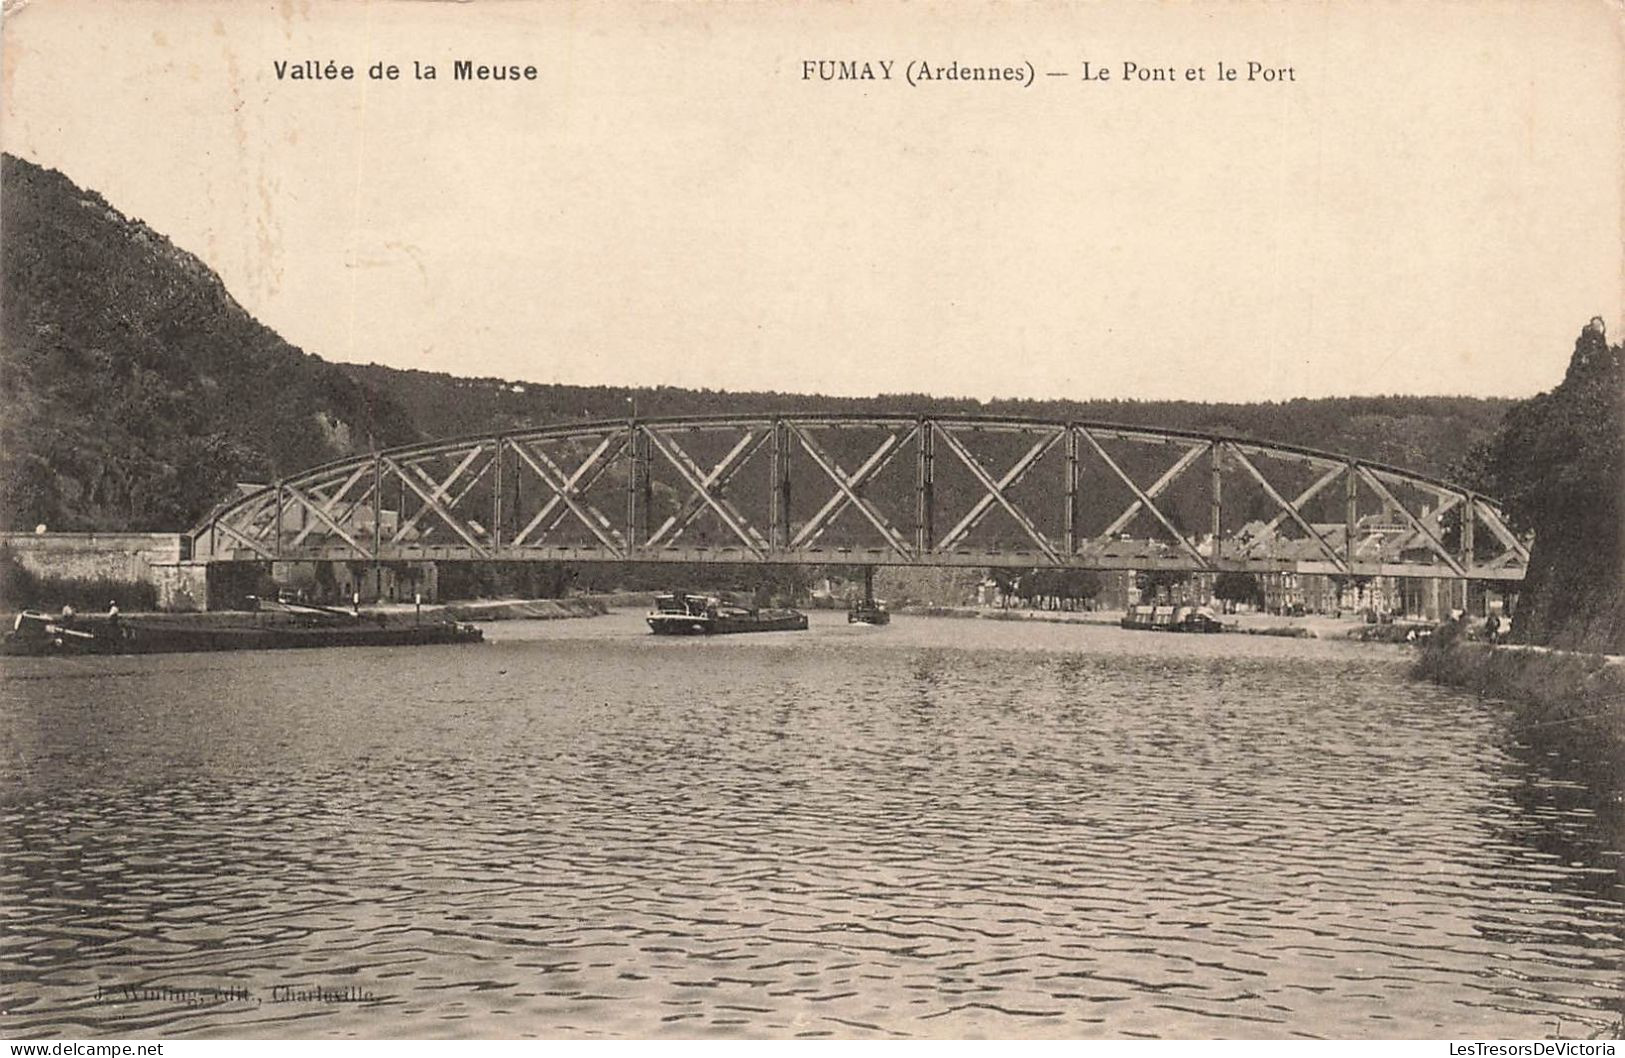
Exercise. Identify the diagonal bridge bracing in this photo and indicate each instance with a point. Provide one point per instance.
(872, 490)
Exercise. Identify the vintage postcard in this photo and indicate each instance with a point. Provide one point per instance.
(696, 520)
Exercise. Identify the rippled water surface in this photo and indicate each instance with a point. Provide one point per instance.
(939, 828)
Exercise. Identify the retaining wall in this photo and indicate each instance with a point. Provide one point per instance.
(159, 559)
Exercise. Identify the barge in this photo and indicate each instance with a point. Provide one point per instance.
(41, 635)
(1171, 619)
(868, 612)
(681, 613)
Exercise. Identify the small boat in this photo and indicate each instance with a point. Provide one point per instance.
(1149, 618)
(1171, 619)
(681, 613)
(868, 612)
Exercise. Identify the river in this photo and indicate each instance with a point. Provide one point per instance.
(937, 828)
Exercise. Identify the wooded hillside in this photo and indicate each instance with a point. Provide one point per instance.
(1429, 434)
(135, 390)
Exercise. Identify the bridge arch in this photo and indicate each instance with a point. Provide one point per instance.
(872, 489)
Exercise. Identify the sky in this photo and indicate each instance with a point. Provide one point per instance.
(1431, 204)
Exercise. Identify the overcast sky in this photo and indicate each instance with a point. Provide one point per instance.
(1431, 205)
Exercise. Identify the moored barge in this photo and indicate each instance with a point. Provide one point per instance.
(681, 613)
(42, 635)
(1171, 619)
(868, 612)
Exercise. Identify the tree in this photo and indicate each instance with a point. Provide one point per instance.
(1081, 585)
(1006, 581)
(1360, 582)
(1029, 587)
(1155, 583)
(1234, 588)
(1557, 464)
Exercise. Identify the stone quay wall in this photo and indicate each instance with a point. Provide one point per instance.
(159, 559)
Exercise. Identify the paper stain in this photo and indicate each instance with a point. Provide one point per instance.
(262, 268)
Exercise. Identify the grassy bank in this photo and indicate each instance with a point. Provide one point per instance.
(1241, 624)
(1560, 697)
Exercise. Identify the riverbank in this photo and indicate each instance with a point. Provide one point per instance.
(1561, 697)
(1311, 626)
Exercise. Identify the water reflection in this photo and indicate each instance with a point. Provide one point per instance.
(939, 828)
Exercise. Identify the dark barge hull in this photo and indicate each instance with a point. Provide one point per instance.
(685, 625)
(132, 638)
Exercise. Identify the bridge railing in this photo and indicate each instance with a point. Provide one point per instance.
(873, 490)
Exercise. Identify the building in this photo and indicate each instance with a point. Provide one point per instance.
(340, 582)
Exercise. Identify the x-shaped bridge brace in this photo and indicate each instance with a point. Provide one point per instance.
(444, 482)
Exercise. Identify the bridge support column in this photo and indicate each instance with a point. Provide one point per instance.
(779, 516)
(637, 488)
(1071, 490)
(377, 536)
(1469, 508)
(377, 505)
(497, 459)
(1351, 512)
(924, 490)
(645, 490)
(400, 498)
(1216, 500)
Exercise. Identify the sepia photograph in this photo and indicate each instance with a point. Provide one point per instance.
(673, 520)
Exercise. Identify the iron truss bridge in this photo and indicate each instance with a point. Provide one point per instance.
(872, 490)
